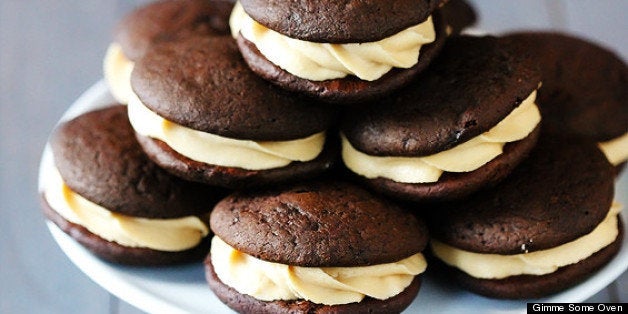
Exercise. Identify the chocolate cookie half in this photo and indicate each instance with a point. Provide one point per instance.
(339, 21)
(154, 22)
(462, 125)
(200, 113)
(107, 194)
(544, 228)
(338, 51)
(317, 246)
(585, 90)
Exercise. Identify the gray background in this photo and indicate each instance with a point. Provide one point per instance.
(51, 51)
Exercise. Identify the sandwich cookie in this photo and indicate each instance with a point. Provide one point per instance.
(302, 46)
(201, 113)
(585, 91)
(462, 125)
(104, 192)
(544, 228)
(321, 247)
(155, 22)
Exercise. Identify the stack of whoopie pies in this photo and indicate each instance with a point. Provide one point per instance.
(305, 148)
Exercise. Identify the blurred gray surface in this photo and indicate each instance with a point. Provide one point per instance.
(51, 51)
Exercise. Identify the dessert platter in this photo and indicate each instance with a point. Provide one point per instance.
(260, 157)
(183, 289)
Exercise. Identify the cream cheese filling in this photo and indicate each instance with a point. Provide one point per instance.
(268, 281)
(616, 150)
(495, 266)
(170, 235)
(117, 70)
(222, 151)
(465, 157)
(325, 61)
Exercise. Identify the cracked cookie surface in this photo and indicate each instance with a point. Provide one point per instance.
(318, 224)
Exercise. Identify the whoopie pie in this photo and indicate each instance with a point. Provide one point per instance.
(315, 247)
(108, 195)
(546, 227)
(585, 90)
(200, 113)
(461, 126)
(339, 51)
(154, 22)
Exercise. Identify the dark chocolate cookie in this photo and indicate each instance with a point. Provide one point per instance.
(473, 84)
(99, 158)
(203, 83)
(530, 286)
(117, 253)
(339, 21)
(458, 185)
(560, 193)
(167, 19)
(347, 90)
(318, 224)
(247, 304)
(585, 86)
(236, 178)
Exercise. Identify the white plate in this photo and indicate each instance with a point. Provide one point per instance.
(183, 289)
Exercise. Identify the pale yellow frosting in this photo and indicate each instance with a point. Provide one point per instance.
(169, 235)
(465, 157)
(495, 266)
(616, 150)
(117, 70)
(268, 281)
(324, 61)
(222, 151)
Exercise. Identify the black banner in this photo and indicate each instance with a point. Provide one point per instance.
(577, 308)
